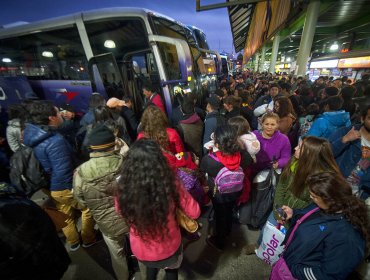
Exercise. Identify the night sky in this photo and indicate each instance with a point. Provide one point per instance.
(215, 23)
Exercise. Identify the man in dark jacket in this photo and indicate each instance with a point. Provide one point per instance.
(212, 120)
(30, 246)
(56, 157)
(351, 148)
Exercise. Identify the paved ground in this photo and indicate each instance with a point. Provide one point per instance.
(200, 260)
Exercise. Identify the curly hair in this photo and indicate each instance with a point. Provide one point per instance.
(227, 139)
(336, 193)
(147, 190)
(154, 123)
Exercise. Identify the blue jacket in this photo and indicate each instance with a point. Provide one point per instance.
(328, 122)
(54, 154)
(88, 118)
(348, 155)
(323, 247)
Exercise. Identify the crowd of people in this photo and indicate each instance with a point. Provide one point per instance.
(128, 175)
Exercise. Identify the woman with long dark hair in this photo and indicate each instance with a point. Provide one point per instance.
(284, 108)
(228, 156)
(148, 195)
(312, 155)
(331, 241)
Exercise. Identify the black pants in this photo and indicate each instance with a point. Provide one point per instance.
(224, 220)
(151, 273)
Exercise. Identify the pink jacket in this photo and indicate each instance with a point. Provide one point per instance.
(155, 250)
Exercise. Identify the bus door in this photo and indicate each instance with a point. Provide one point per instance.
(137, 68)
(174, 65)
(106, 77)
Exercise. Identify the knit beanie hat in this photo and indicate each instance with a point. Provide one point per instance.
(101, 138)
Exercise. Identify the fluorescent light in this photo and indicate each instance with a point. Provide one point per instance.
(6, 60)
(334, 47)
(110, 44)
(47, 54)
(288, 59)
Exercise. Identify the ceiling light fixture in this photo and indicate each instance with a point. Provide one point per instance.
(334, 47)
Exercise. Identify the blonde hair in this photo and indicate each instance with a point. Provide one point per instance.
(270, 115)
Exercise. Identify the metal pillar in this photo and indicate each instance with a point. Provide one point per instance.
(274, 53)
(305, 45)
(256, 59)
(262, 61)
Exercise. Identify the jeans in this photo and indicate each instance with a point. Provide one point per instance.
(151, 273)
(67, 204)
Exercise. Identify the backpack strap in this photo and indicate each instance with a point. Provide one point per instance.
(299, 221)
(212, 155)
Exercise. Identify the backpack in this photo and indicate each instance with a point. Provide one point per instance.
(228, 181)
(26, 172)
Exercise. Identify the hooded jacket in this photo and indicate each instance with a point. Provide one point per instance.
(191, 131)
(348, 155)
(54, 153)
(93, 184)
(277, 146)
(232, 162)
(324, 246)
(328, 122)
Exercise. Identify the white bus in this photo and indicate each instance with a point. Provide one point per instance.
(111, 51)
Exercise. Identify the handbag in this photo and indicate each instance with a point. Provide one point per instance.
(259, 206)
(185, 222)
(281, 271)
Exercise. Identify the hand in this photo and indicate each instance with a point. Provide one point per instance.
(275, 165)
(351, 135)
(288, 211)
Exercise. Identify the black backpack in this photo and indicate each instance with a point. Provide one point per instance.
(26, 172)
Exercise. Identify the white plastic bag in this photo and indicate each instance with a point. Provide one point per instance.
(271, 248)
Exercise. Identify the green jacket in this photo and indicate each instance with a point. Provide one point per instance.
(93, 186)
(284, 196)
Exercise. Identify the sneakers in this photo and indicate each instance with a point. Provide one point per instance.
(87, 245)
(74, 247)
(250, 249)
(212, 242)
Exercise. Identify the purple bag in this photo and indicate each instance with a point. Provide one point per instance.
(228, 181)
(280, 270)
(191, 183)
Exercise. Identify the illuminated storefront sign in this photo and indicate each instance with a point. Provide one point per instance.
(332, 63)
(355, 62)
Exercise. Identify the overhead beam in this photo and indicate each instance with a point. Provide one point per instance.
(200, 8)
(299, 22)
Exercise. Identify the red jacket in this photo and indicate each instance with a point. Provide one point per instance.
(176, 145)
(157, 101)
(155, 250)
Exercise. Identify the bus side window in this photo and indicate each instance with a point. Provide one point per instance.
(171, 61)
